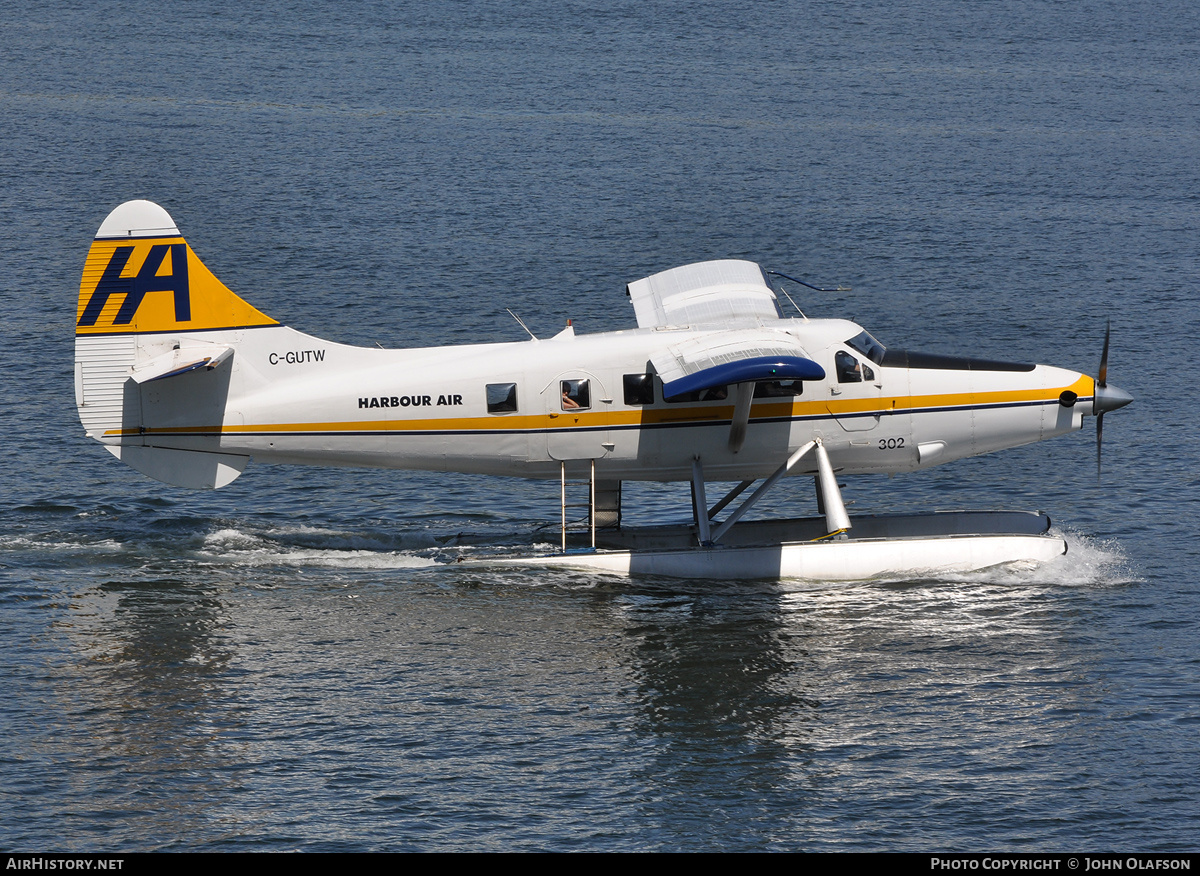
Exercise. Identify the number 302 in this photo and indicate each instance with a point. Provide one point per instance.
(890, 443)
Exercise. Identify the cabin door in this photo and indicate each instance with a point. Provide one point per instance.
(854, 399)
(578, 411)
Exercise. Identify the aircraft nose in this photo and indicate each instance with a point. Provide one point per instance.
(1109, 398)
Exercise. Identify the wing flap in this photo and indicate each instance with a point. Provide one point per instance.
(722, 293)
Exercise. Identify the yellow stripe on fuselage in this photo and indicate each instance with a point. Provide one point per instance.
(701, 416)
(1083, 386)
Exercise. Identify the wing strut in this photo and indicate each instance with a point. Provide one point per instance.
(741, 416)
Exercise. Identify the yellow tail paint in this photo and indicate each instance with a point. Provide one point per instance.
(141, 276)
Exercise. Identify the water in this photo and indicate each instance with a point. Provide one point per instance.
(290, 663)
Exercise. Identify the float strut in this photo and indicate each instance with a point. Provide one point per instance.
(729, 497)
(592, 502)
(700, 501)
(763, 487)
(836, 518)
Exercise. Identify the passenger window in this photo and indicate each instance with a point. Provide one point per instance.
(848, 369)
(639, 389)
(501, 398)
(575, 395)
(778, 388)
(715, 393)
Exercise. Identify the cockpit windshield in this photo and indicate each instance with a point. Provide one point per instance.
(868, 346)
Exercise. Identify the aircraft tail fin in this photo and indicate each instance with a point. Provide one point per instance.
(137, 256)
(149, 311)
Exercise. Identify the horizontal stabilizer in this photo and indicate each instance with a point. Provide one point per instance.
(720, 293)
(180, 361)
(192, 469)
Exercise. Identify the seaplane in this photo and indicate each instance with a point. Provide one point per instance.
(180, 378)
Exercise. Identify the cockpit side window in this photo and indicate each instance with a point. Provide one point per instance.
(849, 370)
(575, 395)
(868, 346)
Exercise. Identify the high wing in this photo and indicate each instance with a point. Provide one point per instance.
(720, 358)
(748, 341)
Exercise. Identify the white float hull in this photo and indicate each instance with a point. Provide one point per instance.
(820, 561)
(932, 544)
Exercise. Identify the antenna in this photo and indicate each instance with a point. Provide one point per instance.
(521, 324)
(809, 285)
(840, 288)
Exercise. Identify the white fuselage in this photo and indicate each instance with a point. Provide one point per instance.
(284, 396)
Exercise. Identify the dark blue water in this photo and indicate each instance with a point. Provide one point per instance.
(288, 663)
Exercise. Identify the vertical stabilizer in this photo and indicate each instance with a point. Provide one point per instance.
(149, 310)
(141, 276)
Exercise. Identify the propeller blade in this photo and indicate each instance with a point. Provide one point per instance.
(1103, 379)
(1105, 401)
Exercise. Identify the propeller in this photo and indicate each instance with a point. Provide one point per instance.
(1102, 383)
(1106, 398)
